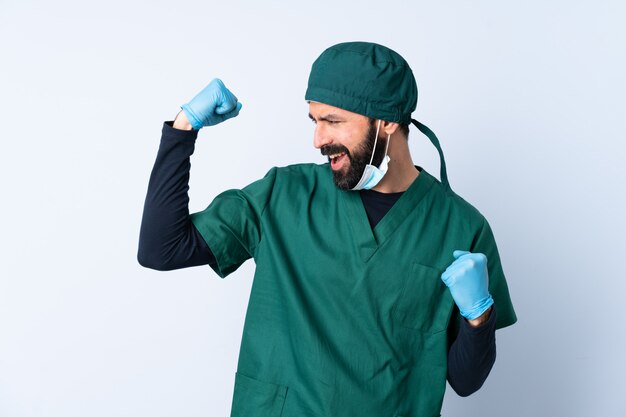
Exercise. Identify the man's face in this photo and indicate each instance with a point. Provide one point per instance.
(348, 140)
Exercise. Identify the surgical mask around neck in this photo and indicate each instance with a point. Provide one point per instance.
(371, 174)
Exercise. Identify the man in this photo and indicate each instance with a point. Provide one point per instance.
(374, 281)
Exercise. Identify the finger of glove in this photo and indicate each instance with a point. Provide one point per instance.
(476, 256)
(227, 101)
(465, 290)
(225, 107)
(471, 281)
(449, 277)
(459, 269)
(475, 260)
(233, 113)
(219, 118)
(461, 263)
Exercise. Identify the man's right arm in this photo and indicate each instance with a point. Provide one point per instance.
(168, 239)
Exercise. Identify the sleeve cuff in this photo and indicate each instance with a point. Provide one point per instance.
(487, 327)
(173, 133)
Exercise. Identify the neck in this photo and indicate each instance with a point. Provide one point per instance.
(401, 172)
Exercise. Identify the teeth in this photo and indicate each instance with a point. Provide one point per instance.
(335, 155)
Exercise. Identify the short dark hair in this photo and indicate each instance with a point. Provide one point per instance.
(404, 127)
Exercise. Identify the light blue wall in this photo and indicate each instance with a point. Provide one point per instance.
(527, 99)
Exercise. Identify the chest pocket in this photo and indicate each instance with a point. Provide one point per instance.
(425, 303)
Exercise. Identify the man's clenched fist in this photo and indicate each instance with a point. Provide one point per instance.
(468, 281)
(214, 104)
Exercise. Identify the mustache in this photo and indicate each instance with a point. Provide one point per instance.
(333, 149)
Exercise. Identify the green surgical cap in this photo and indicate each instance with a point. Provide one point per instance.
(371, 80)
(364, 78)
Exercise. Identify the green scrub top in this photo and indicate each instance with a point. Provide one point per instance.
(343, 320)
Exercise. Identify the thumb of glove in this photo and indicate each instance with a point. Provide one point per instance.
(231, 113)
(227, 104)
(458, 253)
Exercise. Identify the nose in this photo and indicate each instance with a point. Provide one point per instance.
(320, 136)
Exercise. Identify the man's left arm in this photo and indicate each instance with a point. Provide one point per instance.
(477, 284)
(473, 353)
(472, 356)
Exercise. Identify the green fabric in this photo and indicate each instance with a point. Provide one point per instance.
(343, 320)
(364, 78)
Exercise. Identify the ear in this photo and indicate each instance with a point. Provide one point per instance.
(389, 128)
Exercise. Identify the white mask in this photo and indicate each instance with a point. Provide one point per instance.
(371, 174)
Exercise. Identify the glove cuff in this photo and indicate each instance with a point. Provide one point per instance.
(196, 123)
(478, 309)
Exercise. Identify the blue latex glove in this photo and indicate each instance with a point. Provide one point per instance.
(214, 104)
(468, 281)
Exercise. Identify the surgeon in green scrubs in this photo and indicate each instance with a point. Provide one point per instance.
(345, 319)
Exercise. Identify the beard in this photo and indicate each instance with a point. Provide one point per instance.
(348, 177)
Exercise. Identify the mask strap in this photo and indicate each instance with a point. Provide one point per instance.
(376, 140)
(433, 139)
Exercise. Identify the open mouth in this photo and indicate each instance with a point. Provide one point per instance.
(338, 160)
